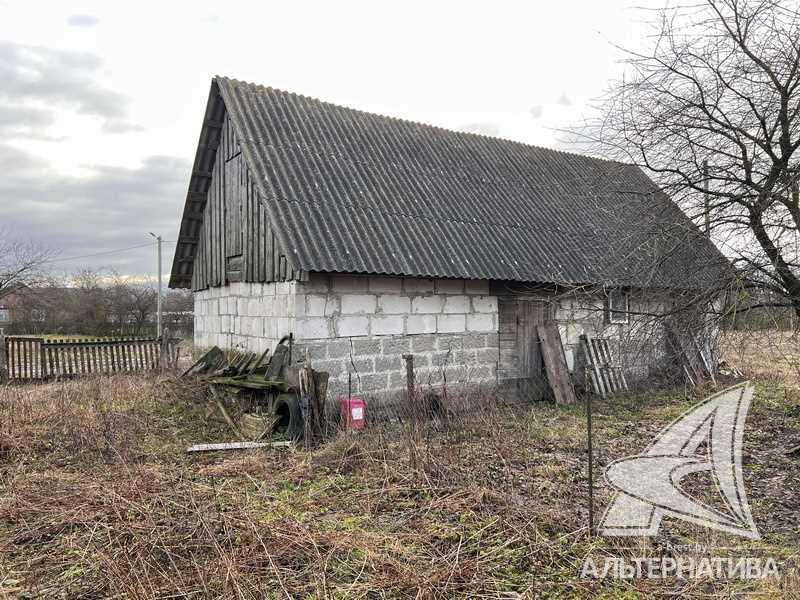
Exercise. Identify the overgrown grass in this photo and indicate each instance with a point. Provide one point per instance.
(99, 499)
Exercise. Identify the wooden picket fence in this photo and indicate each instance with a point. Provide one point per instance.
(25, 358)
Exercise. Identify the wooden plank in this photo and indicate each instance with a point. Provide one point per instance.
(602, 352)
(237, 446)
(594, 368)
(555, 363)
(597, 347)
(4, 376)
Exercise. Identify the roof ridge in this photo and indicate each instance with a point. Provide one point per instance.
(259, 86)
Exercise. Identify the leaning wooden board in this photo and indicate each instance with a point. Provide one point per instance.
(555, 363)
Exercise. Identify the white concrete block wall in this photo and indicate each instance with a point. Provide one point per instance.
(249, 316)
(362, 324)
(639, 345)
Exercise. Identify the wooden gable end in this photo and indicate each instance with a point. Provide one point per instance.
(235, 241)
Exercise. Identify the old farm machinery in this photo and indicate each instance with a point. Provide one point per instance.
(264, 397)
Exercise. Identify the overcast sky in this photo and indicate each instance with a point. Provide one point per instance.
(101, 102)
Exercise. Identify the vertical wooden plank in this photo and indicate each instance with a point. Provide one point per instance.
(17, 359)
(555, 363)
(605, 371)
(3, 358)
(123, 351)
(594, 365)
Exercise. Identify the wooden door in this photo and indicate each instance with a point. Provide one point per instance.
(520, 354)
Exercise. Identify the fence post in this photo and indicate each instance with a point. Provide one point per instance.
(3, 358)
(413, 416)
(164, 359)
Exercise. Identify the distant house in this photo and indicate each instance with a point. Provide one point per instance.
(5, 314)
(369, 237)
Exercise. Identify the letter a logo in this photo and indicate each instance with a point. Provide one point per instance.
(707, 437)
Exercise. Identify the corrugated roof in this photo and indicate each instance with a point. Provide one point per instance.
(351, 191)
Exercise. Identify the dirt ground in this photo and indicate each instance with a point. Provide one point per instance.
(98, 499)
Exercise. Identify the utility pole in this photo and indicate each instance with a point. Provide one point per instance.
(706, 201)
(158, 301)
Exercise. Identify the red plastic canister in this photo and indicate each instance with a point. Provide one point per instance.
(351, 412)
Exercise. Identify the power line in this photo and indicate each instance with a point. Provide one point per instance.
(106, 253)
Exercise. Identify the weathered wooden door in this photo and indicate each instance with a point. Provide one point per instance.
(520, 355)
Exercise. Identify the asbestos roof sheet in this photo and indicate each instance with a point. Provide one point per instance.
(350, 191)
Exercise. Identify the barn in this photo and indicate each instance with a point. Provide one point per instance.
(369, 237)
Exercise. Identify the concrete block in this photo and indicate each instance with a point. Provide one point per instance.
(479, 287)
(283, 326)
(416, 285)
(480, 322)
(352, 326)
(396, 345)
(420, 324)
(427, 304)
(385, 285)
(456, 304)
(315, 351)
(314, 305)
(423, 343)
(387, 325)
(282, 305)
(241, 307)
(339, 348)
(449, 342)
(260, 306)
(487, 355)
(335, 368)
(483, 373)
(285, 288)
(484, 304)
(474, 340)
(270, 328)
(362, 365)
(349, 283)
(389, 363)
(449, 286)
(397, 380)
(358, 304)
(451, 323)
(311, 328)
(225, 324)
(394, 304)
(366, 347)
(374, 382)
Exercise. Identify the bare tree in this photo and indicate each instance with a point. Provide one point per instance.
(713, 113)
(22, 264)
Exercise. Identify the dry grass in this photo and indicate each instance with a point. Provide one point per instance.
(98, 499)
(765, 354)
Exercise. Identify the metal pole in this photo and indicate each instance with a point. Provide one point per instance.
(158, 309)
(591, 462)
